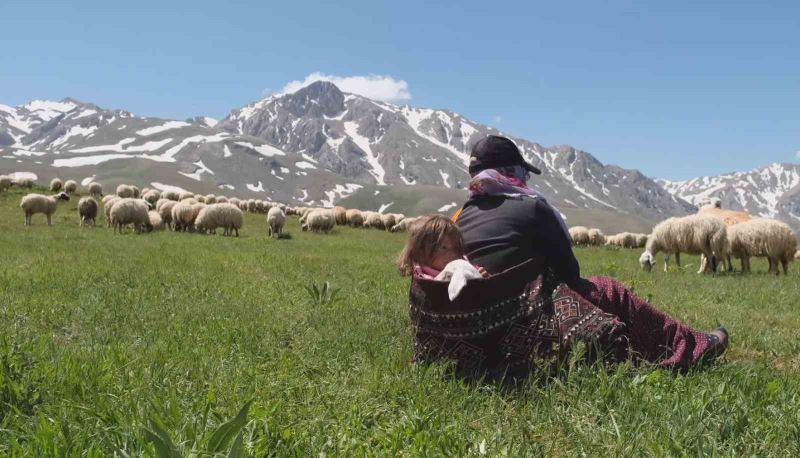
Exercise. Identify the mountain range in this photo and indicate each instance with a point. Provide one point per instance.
(320, 146)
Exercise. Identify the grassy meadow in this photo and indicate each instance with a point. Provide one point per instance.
(129, 345)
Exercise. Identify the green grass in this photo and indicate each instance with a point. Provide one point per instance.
(101, 335)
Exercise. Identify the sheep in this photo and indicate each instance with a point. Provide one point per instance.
(87, 211)
(130, 211)
(183, 195)
(222, 215)
(70, 187)
(56, 185)
(170, 195)
(388, 221)
(623, 240)
(223, 200)
(144, 190)
(354, 218)
(151, 196)
(136, 192)
(211, 199)
(183, 216)
(235, 201)
(373, 220)
(95, 189)
(164, 208)
(399, 217)
(108, 204)
(5, 182)
(156, 222)
(596, 237)
(404, 225)
(579, 235)
(340, 215)
(641, 240)
(320, 221)
(797, 255)
(23, 182)
(275, 220)
(763, 237)
(693, 234)
(125, 191)
(32, 204)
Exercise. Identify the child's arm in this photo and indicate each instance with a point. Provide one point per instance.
(483, 272)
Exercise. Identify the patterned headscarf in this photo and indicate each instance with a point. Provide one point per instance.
(507, 181)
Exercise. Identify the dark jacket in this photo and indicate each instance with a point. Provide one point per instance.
(502, 232)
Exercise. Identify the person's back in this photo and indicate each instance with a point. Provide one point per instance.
(501, 232)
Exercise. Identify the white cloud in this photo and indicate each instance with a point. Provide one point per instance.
(376, 87)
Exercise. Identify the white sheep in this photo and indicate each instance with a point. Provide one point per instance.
(275, 221)
(223, 200)
(222, 215)
(130, 211)
(354, 218)
(164, 208)
(183, 195)
(156, 223)
(152, 196)
(32, 204)
(23, 182)
(762, 237)
(87, 211)
(95, 189)
(211, 199)
(136, 192)
(125, 191)
(184, 215)
(579, 235)
(596, 237)
(641, 240)
(340, 214)
(170, 195)
(373, 220)
(388, 221)
(70, 186)
(56, 185)
(5, 182)
(321, 220)
(108, 204)
(693, 234)
(404, 225)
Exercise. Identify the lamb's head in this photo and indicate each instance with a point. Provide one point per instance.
(646, 260)
(62, 196)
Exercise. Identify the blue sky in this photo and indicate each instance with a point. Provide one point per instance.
(674, 88)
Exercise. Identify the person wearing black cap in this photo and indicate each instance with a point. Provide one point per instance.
(505, 223)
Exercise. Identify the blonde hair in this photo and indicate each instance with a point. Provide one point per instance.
(424, 235)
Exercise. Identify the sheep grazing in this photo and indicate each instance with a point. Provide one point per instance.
(354, 218)
(5, 182)
(641, 240)
(579, 235)
(164, 208)
(693, 234)
(70, 187)
(222, 215)
(762, 237)
(156, 223)
(136, 192)
(340, 215)
(183, 195)
(623, 240)
(95, 189)
(130, 211)
(184, 215)
(24, 182)
(235, 201)
(596, 237)
(275, 220)
(388, 221)
(108, 204)
(404, 225)
(211, 199)
(170, 195)
(125, 191)
(373, 220)
(87, 211)
(223, 200)
(56, 185)
(32, 204)
(152, 196)
(320, 220)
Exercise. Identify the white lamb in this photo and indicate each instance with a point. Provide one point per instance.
(56, 185)
(693, 234)
(156, 223)
(320, 221)
(579, 235)
(70, 187)
(761, 237)
(95, 189)
(275, 221)
(130, 211)
(224, 215)
(87, 211)
(32, 204)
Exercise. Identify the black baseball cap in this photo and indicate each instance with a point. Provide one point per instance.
(495, 151)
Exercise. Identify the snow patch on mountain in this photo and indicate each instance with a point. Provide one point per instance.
(169, 125)
(377, 171)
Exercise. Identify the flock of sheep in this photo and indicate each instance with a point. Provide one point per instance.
(716, 234)
(149, 210)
